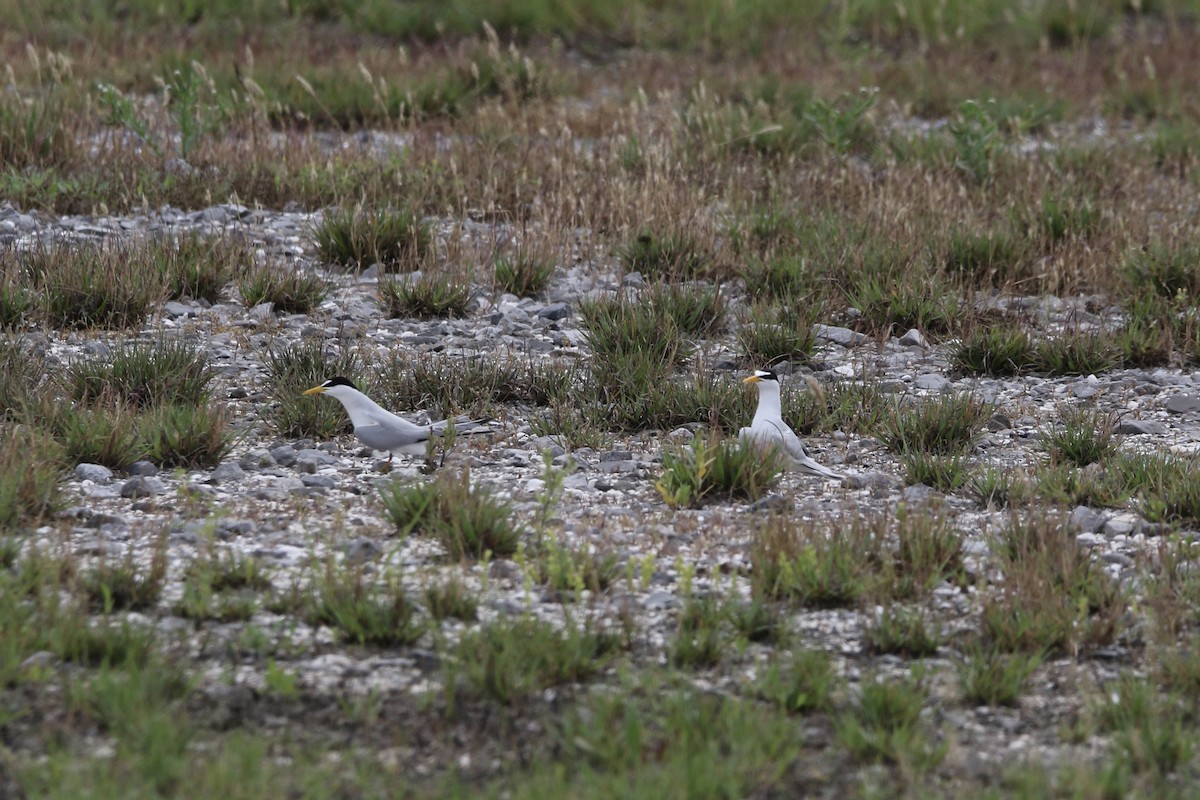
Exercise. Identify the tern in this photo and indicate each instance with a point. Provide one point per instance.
(768, 429)
(380, 429)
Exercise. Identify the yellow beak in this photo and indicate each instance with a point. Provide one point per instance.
(315, 390)
(751, 379)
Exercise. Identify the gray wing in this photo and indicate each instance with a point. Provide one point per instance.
(386, 431)
(787, 440)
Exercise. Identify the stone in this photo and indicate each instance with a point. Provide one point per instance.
(912, 338)
(284, 455)
(144, 468)
(843, 336)
(1140, 427)
(138, 486)
(96, 473)
(933, 382)
(318, 481)
(504, 570)
(1087, 520)
(1121, 524)
(660, 601)
(256, 459)
(362, 549)
(228, 472)
(769, 503)
(1183, 403)
(555, 311)
(868, 480)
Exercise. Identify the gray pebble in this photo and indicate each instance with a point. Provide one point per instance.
(1138, 427)
(96, 473)
(284, 455)
(139, 486)
(933, 382)
(228, 472)
(361, 550)
(843, 336)
(143, 468)
(912, 338)
(318, 481)
(1183, 403)
(1087, 520)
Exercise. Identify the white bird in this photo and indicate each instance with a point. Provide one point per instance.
(768, 429)
(380, 429)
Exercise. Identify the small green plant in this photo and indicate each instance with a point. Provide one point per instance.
(366, 611)
(91, 286)
(996, 488)
(998, 351)
(756, 620)
(886, 303)
(466, 519)
(799, 681)
(1075, 353)
(126, 585)
(426, 297)
(195, 267)
(576, 570)
(1084, 436)
(669, 257)
(187, 436)
(106, 434)
(522, 274)
(695, 310)
(288, 291)
(451, 599)
(507, 660)
(945, 425)
(977, 142)
(294, 368)
(778, 333)
(991, 677)
(1171, 271)
(712, 467)
(944, 473)
(698, 641)
(394, 238)
(992, 258)
(904, 632)
(31, 473)
(884, 725)
(815, 567)
(143, 375)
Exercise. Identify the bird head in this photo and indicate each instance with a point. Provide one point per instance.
(332, 386)
(761, 376)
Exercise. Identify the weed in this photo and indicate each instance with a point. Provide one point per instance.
(778, 333)
(928, 553)
(126, 586)
(944, 425)
(1169, 270)
(814, 567)
(451, 599)
(108, 435)
(884, 725)
(195, 267)
(944, 473)
(394, 238)
(697, 643)
(712, 467)
(288, 292)
(187, 436)
(977, 142)
(1075, 353)
(1147, 337)
(991, 677)
(31, 473)
(467, 520)
(695, 310)
(1084, 437)
(997, 351)
(887, 302)
(365, 611)
(991, 258)
(522, 274)
(996, 488)
(904, 632)
(507, 660)
(669, 257)
(293, 368)
(577, 570)
(799, 681)
(757, 620)
(426, 297)
(143, 375)
(84, 286)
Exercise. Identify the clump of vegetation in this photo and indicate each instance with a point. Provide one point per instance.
(394, 238)
(666, 257)
(712, 467)
(366, 611)
(466, 519)
(778, 333)
(998, 351)
(427, 297)
(1082, 437)
(522, 274)
(944, 425)
(294, 368)
(197, 267)
(288, 292)
(143, 375)
(31, 471)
